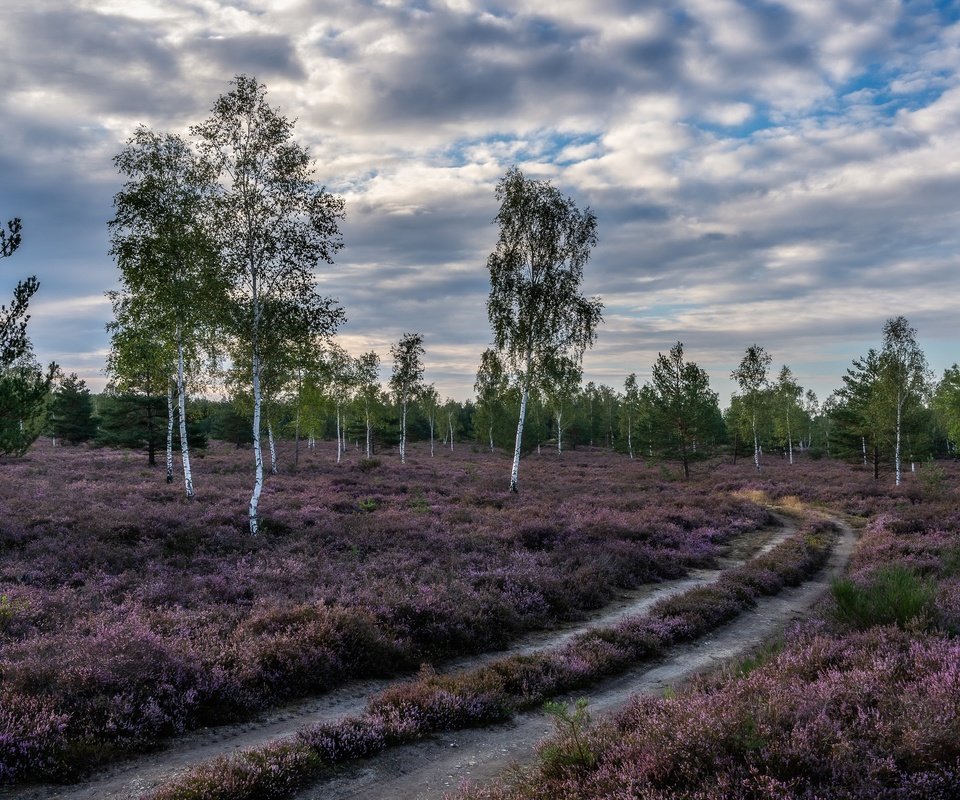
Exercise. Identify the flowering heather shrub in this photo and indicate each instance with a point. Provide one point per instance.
(876, 715)
(268, 773)
(31, 731)
(836, 714)
(136, 614)
(434, 702)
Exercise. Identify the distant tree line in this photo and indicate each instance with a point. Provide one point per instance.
(218, 237)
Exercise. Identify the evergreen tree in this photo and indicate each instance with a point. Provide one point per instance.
(71, 411)
(684, 402)
(23, 385)
(134, 421)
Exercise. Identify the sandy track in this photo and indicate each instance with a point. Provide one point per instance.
(130, 779)
(429, 769)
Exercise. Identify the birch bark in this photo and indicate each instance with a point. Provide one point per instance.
(184, 444)
(169, 432)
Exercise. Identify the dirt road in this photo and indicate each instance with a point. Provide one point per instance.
(432, 767)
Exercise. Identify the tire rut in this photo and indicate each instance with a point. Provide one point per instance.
(433, 768)
(130, 779)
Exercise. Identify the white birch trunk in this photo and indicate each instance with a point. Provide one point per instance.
(630, 436)
(257, 451)
(789, 437)
(340, 447)
(863, 444)
(273, 448)
(515, 470)
(184, 444)
(490, 435)
(896, 456)
(296, 432)
(169, 432)
(450, 426)
(403, 434)
(756, 443)
(432, 420)
(369, 435)
(559, 432)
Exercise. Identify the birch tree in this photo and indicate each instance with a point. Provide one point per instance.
(451, 413)
(751, 377)
(788, 393)
(430, 403)
(561, 380)
(946, 404)
(159, 237)
(406, 380)
(342, 371)
(631, 407)
(491, 386)
(535, 307)
(905, 375)
(811, 408)
(276, 224)
(367, 374)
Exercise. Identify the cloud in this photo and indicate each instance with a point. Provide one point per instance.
(779, 170)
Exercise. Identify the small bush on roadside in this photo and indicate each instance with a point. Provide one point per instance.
(894, 596)
(568, 751)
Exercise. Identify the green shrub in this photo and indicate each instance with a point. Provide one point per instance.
(369, 504)
(570, 749)
(894, 596)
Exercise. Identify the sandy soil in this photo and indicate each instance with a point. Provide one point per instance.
(430, 768)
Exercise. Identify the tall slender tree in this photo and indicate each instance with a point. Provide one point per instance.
(787, 393)
(906, 376)
(561, 381)
(490, 386)
(946, 404)
(367, 386)
(684, 401)
(535, 307)
(275, 224)
(631, 408)
(406, 382)
(172, 281)
(343, 378)
(23, 385)
(430, 403)
(751, 377)
(811, 408)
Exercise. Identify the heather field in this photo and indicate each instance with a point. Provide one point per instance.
(128, 614)
(861, 701)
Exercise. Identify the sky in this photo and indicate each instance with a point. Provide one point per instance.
(777, 173)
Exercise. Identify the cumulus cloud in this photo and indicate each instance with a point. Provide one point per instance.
(782, 172)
